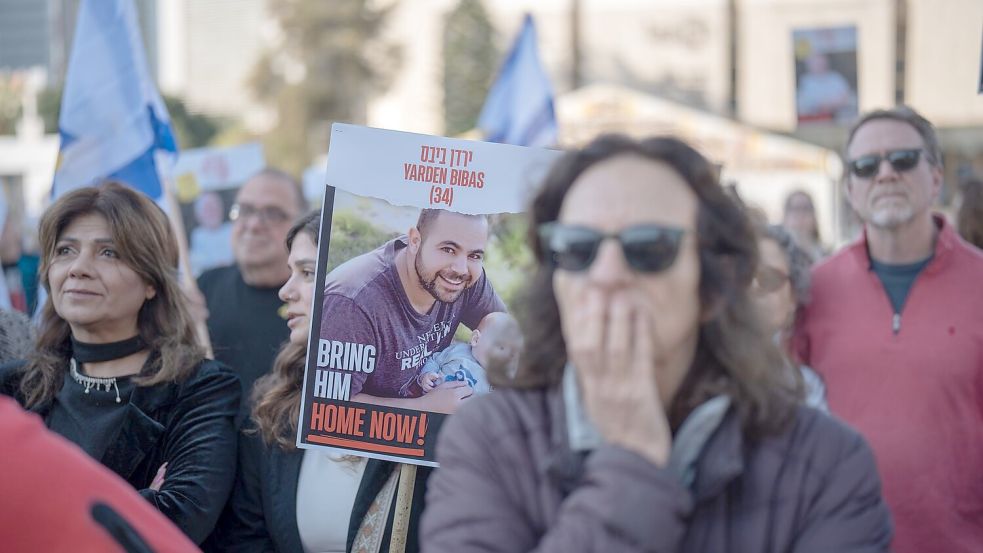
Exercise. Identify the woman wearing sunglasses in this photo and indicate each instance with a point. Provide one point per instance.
(780, 289)
(651, 411)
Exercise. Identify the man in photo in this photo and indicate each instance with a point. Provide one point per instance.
(824, 94)
(406, 299)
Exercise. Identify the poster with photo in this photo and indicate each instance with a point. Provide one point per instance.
(420, 258)
(825, 74)
(207, 180)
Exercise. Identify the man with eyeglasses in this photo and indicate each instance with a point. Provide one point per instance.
(244, 320)
(895, 327)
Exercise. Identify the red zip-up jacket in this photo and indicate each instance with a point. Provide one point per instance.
(911, 383)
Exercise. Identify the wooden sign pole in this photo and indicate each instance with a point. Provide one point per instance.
(404, 504)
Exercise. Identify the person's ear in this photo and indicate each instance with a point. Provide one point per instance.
(937, 179)
(475, 336)
(415, 240)
(150, 292)
(848, 187)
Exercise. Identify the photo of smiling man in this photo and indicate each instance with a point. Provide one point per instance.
(387, 311)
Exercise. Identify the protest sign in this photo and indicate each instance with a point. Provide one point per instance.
(421, 243)
(207, 181)
(825, 74)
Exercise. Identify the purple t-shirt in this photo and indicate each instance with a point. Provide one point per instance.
(365, 305)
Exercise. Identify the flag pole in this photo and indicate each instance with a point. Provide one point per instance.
(105, 134)
(184, 259)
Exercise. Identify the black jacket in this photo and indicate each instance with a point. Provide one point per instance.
(262, 514)
(190, 426)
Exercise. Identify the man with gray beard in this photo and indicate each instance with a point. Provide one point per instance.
(895, 327)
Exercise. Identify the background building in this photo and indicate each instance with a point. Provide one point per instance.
(732, 59)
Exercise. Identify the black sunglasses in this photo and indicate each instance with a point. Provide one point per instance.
(901, 160)
(647, 248)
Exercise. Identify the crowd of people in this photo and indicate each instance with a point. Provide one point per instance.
(681, 376)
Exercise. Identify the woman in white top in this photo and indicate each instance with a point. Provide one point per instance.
(288, 499)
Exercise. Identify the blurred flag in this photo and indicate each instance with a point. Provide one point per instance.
(113, 124)
(5, 303)
(519, 107)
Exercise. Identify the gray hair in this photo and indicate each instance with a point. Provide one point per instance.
(903, 114)
(799, 262)
(274, 173)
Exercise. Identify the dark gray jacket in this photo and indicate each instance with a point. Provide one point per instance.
(508, 482)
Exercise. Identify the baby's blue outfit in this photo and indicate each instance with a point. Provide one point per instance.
(456, 362)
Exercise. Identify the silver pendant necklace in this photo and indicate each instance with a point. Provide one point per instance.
(89, 382)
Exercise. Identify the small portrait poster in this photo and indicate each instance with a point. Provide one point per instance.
(207, 181)
(825, 74)
(420, 257)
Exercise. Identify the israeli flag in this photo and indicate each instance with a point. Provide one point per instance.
(113, 123)
(519, 107)
(5, 303)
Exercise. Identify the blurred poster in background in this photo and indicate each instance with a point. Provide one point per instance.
(207, 180)
(825, 74)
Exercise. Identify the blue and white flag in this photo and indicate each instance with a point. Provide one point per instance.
(5, 303)
(113, 123)
(519, 107)
(981, 71)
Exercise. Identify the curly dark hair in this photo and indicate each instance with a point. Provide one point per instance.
(735, 355)
(799, 262)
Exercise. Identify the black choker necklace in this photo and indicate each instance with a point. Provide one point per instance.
(97, 353)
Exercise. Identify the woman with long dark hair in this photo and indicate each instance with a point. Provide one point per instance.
(289, 499)
(651, 411)
(118, 369)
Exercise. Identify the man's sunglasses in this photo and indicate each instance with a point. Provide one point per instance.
(647, 248)
(867, 166)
